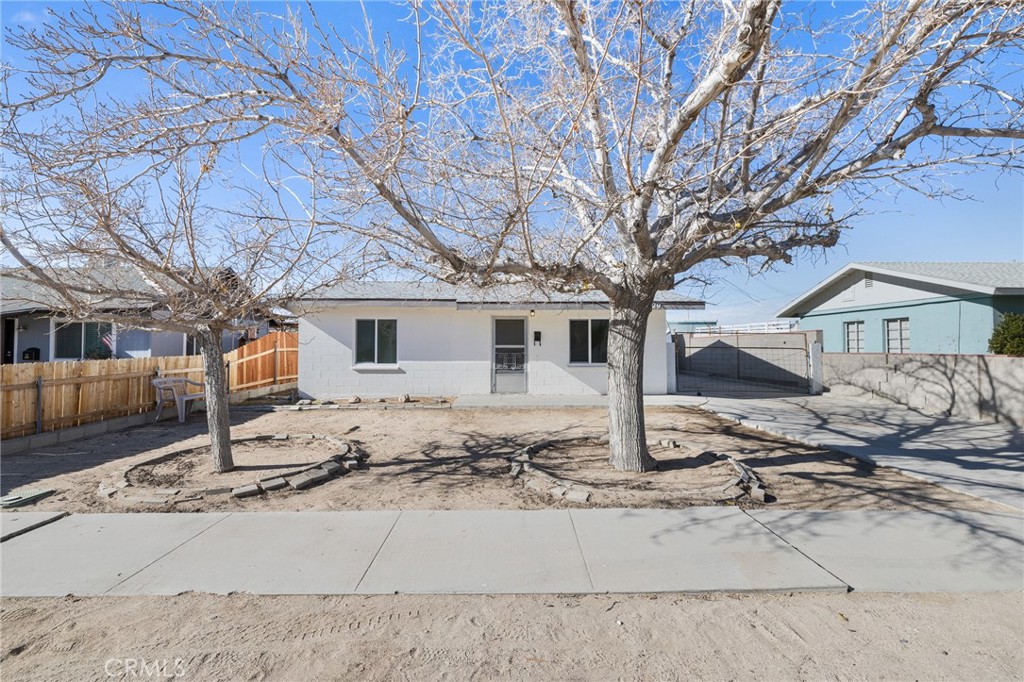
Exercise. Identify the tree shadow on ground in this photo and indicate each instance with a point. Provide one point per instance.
(34, 466)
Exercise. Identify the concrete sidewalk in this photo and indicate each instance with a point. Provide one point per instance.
(979, 459)
(491, 552)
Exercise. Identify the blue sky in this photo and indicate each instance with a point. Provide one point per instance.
(908, 227)
(990, 227)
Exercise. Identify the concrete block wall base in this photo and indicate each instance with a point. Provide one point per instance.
(14, 446)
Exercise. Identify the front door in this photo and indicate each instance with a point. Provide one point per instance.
(509, 357)
(8, 342)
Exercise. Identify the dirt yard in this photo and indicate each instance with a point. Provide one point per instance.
(857, 636)
(455, 459)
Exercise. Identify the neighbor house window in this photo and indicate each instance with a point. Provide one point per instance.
(588, 341)
(377, 342)
(855, 337)
(82, 340)
(897, 335)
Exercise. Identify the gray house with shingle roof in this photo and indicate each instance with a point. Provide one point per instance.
(425, 338)
(909, 307)
(32, 329)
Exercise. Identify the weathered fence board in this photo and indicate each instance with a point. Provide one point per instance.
(47, 396)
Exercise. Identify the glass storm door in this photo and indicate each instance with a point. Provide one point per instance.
(509, 356)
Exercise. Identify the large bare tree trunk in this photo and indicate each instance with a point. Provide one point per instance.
(626, 335)
(217, 418)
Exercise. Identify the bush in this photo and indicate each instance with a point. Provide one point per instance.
(1008, 336)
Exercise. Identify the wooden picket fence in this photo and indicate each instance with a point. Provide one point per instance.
(48, 396)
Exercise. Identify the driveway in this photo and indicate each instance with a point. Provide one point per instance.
(979, 459)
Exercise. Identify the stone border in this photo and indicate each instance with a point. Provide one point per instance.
(522, 468)
(348, 458)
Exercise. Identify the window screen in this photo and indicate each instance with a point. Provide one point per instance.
(377, 341)
(365, 340)
(588, 341)
(599, 340)
(68, 340)
(579, 341)
(98, 340)
(387, 341)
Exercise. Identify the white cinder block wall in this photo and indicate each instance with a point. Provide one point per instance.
(445, 351)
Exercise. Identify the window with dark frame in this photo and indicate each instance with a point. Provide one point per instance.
(376, 342)
(588, 342)
(82, 340)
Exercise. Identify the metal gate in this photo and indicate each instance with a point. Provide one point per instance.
(742, 363)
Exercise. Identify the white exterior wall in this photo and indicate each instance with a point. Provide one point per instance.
(445, 351)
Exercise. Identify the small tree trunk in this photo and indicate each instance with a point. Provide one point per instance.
(626, 432)
(217, 418)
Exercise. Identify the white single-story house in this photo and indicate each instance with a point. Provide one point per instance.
(911, 307)
(377, 339)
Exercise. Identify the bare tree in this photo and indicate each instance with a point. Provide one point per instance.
(150, 255)
(577, 145)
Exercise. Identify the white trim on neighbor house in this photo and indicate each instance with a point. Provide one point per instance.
(802, 304)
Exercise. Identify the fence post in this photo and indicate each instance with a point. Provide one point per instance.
(39, 404)
(817, 382)
(275, 362)
(227, 375)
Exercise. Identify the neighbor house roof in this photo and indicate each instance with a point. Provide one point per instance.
(466, 296)
(998, 278)
(20, 294)
(128, 289)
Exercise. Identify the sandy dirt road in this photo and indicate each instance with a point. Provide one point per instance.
(857, 636)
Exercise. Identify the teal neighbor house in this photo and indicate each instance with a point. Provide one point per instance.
(911, 307)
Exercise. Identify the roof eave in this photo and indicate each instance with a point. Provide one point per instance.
(795, 307)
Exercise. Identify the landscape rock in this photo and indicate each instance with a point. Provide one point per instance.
(534, 483)
(308, 478)
(354, 400)
(210, 492)
(274, 484)
(156, 501)
(304, 402)
(168, 492)
(517, 468)
(246, 491)
(577, 495)
(557, 491)
(332, 468)
(404, 398)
